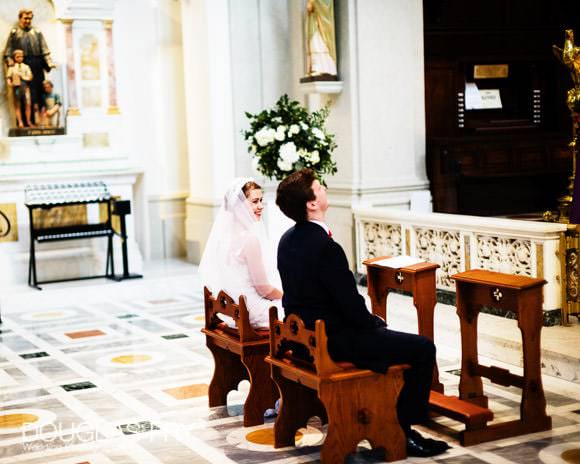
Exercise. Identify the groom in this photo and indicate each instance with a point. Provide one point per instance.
(318, 284)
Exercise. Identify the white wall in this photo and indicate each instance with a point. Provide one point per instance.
(262, 63)
(237, 55)
(149, 62)
(391, 91)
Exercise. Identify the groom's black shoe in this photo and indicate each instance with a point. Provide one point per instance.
(422, 447)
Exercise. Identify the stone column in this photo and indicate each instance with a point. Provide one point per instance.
(209, 114)
(112, 78)
(383, 64)
(379, 118)
(73, 104)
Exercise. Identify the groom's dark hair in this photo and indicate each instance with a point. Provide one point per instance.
(294, 192)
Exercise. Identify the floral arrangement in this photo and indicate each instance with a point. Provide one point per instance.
(287, 138)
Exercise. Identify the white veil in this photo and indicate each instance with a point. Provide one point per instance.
(237, 241)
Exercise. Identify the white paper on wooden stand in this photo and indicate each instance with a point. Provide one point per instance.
(399, 261)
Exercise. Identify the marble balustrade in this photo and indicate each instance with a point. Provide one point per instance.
(458, 243)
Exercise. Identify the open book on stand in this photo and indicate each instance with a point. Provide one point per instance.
(399, 261)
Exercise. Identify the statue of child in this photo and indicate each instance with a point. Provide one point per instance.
(51, 104)
(18, 77)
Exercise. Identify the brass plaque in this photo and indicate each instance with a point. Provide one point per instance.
(490, 71)
(96, 140)
(60, 216)
(8, 223)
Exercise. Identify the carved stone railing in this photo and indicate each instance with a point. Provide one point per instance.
(458, 243)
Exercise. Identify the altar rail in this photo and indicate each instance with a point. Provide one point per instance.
(459, 243)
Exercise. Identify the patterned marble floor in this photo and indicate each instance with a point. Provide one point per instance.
(118, 373)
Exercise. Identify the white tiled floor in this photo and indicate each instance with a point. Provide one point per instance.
(117, 372)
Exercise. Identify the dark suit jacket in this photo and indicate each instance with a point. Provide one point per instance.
(317, 281)
(318, 284)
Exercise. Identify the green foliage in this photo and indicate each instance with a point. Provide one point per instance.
(287, 138)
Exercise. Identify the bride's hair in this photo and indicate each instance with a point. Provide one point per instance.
(239, 191)
(249, 186)
(234, 227)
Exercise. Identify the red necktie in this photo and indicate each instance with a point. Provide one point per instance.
(329, 233)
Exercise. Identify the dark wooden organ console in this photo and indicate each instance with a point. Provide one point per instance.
(501, 160)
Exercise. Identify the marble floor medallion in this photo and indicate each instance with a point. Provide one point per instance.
(24, 420)
(130, 359)
(48, 315)
(563, 453)
(193, 319)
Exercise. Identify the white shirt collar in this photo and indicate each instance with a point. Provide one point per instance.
(321, 224)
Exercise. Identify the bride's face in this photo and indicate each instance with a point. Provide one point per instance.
(255, 202)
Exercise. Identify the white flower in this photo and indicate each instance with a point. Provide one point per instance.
(303, 125)
(294, 129)
(280, 133)
(314, 157)
(318, 133)
(284, 165)
(253, 149)
(288, 153)
(302, 153)
(277, 119)
(265, 136)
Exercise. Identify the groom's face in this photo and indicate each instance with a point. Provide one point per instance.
(320, 194)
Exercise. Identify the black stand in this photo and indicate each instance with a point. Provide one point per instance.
(82, 231)
(122, 208)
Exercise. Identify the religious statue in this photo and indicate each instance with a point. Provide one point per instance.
(18, 78)
(570, 56)
(31, 42)
(320, 40)
(51, 105)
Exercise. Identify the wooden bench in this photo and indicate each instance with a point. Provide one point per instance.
(239, 355)
(357, 403)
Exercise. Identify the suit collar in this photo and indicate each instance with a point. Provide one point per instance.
(321, 224)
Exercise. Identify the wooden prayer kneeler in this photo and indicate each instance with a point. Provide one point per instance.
(239, 355)
(523, 296)
(357, 403)
(419, 280)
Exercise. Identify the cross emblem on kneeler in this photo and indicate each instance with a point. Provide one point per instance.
(523, 296)
(399, 277)
(497, 294)
(416, 279)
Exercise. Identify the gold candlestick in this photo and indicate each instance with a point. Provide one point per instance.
(569, 55)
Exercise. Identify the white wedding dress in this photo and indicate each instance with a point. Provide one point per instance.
(246, 276)
(237, 259)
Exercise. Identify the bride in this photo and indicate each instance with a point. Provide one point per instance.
(237, 257)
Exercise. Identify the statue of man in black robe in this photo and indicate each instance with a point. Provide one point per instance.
(36, 53)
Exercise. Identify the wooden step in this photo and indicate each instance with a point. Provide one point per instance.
(470, 414)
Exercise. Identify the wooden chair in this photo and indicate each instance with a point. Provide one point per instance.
(358, 404)
(238, 355)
